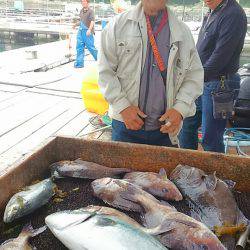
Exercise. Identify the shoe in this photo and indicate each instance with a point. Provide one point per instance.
(78, 66)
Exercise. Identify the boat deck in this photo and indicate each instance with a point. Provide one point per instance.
(29, 115)
(38, 105)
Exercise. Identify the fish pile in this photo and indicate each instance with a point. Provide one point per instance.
(213, 225)
(180, 231)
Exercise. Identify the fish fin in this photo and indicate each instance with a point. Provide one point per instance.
(28, 229)
(120, 171)
(241, 218)
(128, 180)
(165, 203)
(128, 205)
(187, 223)
(129, 194)
(162, 228)
(211, 181)
(165, 240)
(6, 242)
(231, 184)
(79, 160)
(38, 231)
(54, 172)
(163, 174)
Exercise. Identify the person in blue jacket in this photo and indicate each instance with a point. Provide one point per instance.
(219, 45)
(85, 35)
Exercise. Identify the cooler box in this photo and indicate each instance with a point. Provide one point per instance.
(91, 95)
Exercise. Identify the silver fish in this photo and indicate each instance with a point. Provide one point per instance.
(79, 230)
(109, 191)
(27, 201)
(84, 169)
(181, 231)
(21, 242)
(155, 184)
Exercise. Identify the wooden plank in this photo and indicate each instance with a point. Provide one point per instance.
(26, 110)
(14, 99)
(18, 134)
(87, 133)
(11, 88)
(28, 144)
(77, 125)
(4, 95)
(55, 93)
(27, 79)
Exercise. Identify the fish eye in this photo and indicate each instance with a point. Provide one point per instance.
(164, 190)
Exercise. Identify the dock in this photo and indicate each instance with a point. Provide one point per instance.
(37, 105)
(36, 28)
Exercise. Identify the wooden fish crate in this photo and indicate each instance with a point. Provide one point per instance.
(114, 154)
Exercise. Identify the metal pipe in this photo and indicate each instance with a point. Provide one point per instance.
(242, 242)
(97, 130)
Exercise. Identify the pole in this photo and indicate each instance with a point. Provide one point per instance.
(6, 7)
(47, 11)
(184, 9)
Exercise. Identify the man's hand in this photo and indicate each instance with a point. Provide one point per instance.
(88, 32)
(131, 117)
(173, 122)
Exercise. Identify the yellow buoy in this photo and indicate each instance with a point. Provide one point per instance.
(91, 95)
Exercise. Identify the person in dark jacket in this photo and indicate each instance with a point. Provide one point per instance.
(219, 45)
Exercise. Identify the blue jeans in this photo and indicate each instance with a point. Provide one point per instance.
(121, 133)
(212, 129)
(84, 41)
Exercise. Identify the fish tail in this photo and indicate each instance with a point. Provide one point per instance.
(29, 230)
(122, 170)
(55, 174)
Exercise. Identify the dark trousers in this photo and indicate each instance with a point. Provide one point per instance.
(212, 129)
(121, 133)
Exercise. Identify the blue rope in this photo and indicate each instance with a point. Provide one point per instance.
(237, 135)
